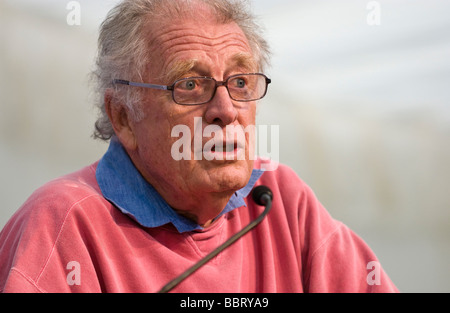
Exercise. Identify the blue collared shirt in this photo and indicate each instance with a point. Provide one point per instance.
(123, 185)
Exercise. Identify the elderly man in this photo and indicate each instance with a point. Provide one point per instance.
(141, 216)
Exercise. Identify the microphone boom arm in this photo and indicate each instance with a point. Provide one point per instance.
(266, 200)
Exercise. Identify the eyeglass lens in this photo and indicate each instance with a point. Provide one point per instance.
(199, 90)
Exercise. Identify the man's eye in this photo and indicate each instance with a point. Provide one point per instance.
(189, 85)
(240, 83)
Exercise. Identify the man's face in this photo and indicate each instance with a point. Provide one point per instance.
(187, 48)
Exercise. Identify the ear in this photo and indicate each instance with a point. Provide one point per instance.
(121, 120)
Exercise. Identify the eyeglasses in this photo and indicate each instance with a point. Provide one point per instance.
(201, 90)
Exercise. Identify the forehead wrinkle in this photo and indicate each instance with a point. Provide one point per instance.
(169, 43)
(199, 42)
(185, 35)
(164, 34)
(173, 50)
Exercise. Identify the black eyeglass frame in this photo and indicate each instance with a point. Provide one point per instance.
(217, 84)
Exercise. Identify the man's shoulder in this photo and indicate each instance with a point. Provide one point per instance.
(292, 192)
(80, 182)
(53, 213)
(66, 190)
(53, 200)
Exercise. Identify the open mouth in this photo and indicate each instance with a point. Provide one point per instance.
(226, 147)
(227, 151)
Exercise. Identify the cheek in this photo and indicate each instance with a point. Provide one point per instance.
(152, 133)
(247, 116)
(155, 132)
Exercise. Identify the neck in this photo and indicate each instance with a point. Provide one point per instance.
(204, 211)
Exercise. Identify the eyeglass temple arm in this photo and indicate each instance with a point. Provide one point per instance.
(126, 82)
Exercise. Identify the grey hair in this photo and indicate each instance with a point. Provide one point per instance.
(123, 53)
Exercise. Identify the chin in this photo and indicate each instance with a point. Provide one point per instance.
(229, 177)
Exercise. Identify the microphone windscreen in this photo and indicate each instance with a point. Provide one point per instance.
(259, 192)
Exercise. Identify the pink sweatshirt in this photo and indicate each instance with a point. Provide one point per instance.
(68, 238)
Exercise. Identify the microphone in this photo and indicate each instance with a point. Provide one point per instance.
(263, 196)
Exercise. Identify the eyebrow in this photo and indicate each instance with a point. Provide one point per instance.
(180, 68)
(245, 61)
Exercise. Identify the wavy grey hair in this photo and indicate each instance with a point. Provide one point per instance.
(123, 54)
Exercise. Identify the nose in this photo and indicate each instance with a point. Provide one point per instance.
(221, 110)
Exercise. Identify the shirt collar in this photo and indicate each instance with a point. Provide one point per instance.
(123, 185)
